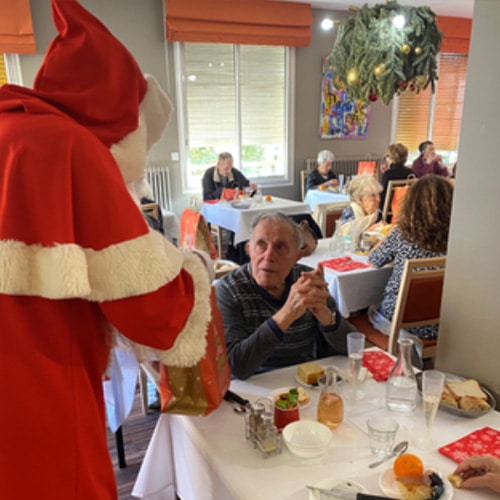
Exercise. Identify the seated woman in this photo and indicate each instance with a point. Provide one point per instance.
(322, 175)
(363, 211)
(395, 159)
(421, 232)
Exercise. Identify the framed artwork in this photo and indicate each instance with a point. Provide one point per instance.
(340, 117)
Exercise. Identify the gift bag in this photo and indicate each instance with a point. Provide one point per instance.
(199, 390)
(195, 233)
(228, 193)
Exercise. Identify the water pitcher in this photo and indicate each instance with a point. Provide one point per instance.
(401, 389)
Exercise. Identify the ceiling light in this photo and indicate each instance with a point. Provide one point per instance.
(326, 24)
(399, 21)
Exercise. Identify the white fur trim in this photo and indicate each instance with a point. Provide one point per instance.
(156, 108)
(134, 267)
(191, 343)
(131, 152)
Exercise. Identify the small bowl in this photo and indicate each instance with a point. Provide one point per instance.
(307, 438)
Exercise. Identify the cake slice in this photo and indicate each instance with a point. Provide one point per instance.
(309, 372)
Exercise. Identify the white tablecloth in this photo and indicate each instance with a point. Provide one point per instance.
(209, 459)
(314, 196)
(240, 220)
(352, 290)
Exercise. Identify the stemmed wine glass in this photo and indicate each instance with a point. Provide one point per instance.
(432, 388)
(355, 348)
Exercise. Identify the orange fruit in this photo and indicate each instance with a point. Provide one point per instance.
(408, 465)
(322, 187)
(268, 198)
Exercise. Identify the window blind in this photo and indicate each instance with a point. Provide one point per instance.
(16, 29)
(3, 71)
(254, 22)
(415, 111)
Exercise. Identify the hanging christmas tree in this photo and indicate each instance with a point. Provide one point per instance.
(384, 50)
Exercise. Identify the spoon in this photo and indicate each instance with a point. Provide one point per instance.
(396, 451)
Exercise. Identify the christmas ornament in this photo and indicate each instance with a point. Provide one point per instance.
(369, 36)
(353, 77)
(379, 69)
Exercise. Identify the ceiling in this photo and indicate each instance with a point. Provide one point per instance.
(453, 8)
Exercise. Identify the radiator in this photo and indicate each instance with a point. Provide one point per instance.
(346, 166)
(158, 177)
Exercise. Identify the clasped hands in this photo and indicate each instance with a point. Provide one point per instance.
(310, 291)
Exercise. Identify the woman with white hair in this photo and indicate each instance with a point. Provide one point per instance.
(363, 210)
(322, 175)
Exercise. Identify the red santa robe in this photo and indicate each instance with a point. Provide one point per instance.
(78, 261)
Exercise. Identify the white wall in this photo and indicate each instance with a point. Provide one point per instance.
(469, 341)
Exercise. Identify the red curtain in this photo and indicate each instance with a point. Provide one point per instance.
(254, 22)
(456, 31)
(16, 29)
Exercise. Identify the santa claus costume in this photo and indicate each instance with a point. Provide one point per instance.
(77, 260)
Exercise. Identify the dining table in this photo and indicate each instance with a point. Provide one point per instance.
(316, 196)
(239, 220)
(208, 458)
(353, 290)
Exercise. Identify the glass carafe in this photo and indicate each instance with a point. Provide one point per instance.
(330, 404)
(401, 389)
(337, 241)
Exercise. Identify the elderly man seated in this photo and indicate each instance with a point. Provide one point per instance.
(277, 312)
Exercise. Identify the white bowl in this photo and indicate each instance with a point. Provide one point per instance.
(307, 438)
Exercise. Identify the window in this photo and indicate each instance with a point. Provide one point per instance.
(435, 116)
(234, 98)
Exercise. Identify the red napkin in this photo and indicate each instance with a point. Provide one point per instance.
(485, 441)
(379, 364)
(342, 264)
(211, 202)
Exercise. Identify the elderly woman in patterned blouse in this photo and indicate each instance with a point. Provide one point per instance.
(422, 232)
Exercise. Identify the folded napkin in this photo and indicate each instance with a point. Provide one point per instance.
(485, 441)
(342, 264)
(379, 364)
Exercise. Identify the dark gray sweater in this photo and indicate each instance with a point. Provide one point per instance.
(254, 343)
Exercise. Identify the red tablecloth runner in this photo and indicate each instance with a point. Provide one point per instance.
(485, 441)
(343, 264)
(379, 364)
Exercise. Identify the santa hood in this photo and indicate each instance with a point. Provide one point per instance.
(89, 75)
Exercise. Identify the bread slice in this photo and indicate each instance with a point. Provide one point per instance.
(455, 480)
(309, 372)
(468, 387)
(447, 398)
(472, 403)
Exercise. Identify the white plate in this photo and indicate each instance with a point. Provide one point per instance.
(242, 204)
(344, 485)
(282, 390)
(388, 484)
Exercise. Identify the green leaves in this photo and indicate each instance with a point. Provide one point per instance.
(370, 38)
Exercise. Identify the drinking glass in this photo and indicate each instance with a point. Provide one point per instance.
(432, 388)
(355, 348)
(341, 182)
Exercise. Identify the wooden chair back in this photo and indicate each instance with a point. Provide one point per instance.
(419, 299)
(418, 304)
(303, 177)
(325, 215)
(151, 209)
(388, 212)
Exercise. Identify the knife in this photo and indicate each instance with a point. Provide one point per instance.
(234, 398)
(323, 493)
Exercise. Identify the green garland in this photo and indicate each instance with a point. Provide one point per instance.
(372, 58)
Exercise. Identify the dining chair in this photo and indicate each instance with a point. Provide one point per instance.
(325, 215)
(303, 177)
(151, 209)
(418, 304)
(366, 167)
(391, 209)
